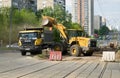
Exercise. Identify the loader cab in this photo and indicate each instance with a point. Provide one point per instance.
(75, 33)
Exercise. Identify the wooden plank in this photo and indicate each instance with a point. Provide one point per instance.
(61, 69)
(115, 74)
(88, 71)
(11, 65)
(112, 66)
(79, 70)
(50, 71)
(115, 70)
(68, 70)
(107, 73)
(27, 70)
(98, 70)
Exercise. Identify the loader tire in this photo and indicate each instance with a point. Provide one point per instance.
(75, 50)
(57, 47)
(88, 53)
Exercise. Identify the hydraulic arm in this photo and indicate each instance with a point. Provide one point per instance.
(51, 22)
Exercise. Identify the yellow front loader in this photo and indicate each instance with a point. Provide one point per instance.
(72, 40)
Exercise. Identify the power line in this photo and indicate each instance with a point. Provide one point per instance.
(115, 20)
(100, 2)
(99, 5)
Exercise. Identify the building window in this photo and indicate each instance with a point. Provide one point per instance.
(32, 2)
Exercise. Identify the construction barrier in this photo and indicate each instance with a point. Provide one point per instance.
(108, 56)
(55, 55)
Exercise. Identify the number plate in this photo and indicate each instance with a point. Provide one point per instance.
(27, 49)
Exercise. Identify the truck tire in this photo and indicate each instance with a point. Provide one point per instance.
(88, 53)
(75, 50)
(33, 53)
(23, 53)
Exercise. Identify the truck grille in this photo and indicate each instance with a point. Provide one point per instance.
(29, 43)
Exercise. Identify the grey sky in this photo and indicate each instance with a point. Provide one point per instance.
(110, 9)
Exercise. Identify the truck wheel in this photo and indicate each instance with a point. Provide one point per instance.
(39, 52)
(88, 53)
(32, 53)
(23, 53)
(75, 50)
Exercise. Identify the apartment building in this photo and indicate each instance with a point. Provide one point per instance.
(5, 3)
(50, 3)
(99, 21)
(37, 4)
(83, 13)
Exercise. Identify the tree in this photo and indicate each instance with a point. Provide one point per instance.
(75, 26)
(58, 13)
(24, 16)
(20, 18)
(103, 31)
(96, 31)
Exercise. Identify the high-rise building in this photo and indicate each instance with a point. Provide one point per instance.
(97, 22)
(5, 3)
(0, 3)
(37, 4)
(28, 4)
(103, 21)
(82, 13)
(49, 3)
(44, 3)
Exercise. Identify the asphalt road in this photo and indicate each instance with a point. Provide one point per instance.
(13, 65)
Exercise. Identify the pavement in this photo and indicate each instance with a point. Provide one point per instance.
(13, 65)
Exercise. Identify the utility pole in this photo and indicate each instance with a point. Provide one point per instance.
(10, 31)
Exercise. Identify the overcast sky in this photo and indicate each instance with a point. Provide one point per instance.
(110, 9)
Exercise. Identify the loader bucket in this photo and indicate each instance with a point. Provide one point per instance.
(48, 21)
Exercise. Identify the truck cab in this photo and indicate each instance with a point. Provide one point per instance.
(30, 40)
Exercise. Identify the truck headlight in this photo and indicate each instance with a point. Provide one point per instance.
(38, 41)
(19, 43)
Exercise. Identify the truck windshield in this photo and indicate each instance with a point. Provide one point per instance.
(31, 35)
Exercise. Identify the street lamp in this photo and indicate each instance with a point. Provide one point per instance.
(10, 31)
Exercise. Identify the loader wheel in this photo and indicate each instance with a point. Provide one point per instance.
(75, 50)
(88, 53)
(58, 47)
(23, 53)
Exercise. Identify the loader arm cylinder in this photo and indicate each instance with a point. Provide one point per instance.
(51, 22)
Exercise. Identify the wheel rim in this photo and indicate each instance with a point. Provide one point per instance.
(57, 48)
(73, 51)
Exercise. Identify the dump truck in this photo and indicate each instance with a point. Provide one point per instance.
(72, 41)
(30, 40)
